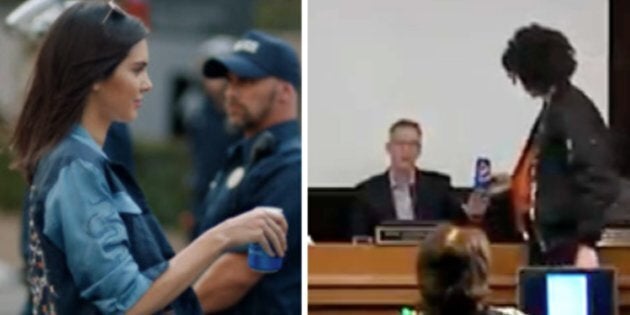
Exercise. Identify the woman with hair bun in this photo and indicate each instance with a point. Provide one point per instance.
(453, 269)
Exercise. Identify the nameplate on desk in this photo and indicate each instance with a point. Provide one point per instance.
(403, 234)
(615, 237)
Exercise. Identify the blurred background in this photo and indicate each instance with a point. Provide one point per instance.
(162, 159)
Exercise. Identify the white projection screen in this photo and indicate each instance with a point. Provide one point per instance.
(371, 62)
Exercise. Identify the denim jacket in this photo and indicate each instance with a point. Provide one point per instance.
(93, 245)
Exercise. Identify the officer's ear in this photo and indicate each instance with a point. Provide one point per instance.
(286, 91)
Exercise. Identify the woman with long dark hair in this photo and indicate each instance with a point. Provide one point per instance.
(93, 244)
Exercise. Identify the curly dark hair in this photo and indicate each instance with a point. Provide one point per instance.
(540, 57)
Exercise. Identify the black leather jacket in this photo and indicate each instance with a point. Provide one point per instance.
(575, 176)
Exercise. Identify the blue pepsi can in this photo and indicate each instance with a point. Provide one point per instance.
(483, 174)
(257, 258)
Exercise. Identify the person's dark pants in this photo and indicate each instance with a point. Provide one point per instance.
(562, 254)
(555, 253)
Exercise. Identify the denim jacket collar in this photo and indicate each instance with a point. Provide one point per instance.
(80, 133)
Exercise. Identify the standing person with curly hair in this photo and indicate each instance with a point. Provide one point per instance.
(565, 179)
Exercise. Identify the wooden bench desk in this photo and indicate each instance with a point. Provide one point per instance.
(369, 279)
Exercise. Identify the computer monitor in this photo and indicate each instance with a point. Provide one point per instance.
(329, 213)
(561, 291)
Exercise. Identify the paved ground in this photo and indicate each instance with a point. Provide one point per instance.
(12, 290)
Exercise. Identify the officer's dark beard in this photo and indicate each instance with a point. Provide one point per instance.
(251, 121)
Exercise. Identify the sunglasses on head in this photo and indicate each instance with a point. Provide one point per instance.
(112, 7)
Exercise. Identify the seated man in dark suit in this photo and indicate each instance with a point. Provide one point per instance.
(404, 192)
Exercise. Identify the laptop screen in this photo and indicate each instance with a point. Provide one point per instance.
(556, 291)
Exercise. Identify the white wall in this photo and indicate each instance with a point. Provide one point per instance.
(372, 62)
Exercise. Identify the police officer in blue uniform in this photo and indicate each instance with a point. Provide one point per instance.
(207, 135)
(263, 169)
